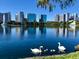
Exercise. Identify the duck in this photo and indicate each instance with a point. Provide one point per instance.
(61, 48)
(45, 50)
(52, 50)
(37, 50)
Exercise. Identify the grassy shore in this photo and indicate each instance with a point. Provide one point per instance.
(49, 24)
(74, 55)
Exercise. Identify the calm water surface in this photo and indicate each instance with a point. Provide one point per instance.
(16, 42)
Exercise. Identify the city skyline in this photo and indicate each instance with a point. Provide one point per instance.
(29, 6)
(6, 18)
(31, 17)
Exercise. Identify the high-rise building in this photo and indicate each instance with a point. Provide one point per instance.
(75, 16)
(60, 18)
(31, 17)
(67, 16)
(6, 17)
(43, 18)
(63, 17)
(57, 17)
(19, 17)
(16, 18)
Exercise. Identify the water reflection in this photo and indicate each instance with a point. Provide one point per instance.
(1, 30)
(20, 31)
(66, 32)
(5, 31)
(42, 30)
(62, 32)
(31, 31)
(49, 40)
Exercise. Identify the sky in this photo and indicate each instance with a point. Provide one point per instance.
(29, 6)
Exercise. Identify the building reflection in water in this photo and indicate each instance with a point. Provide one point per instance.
(1, 30)
(20, 31)
(6, 30)
(42, 30)
(31, 32)
(72, 32)
(66, 32)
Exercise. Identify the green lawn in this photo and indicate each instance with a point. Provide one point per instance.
(74, 55)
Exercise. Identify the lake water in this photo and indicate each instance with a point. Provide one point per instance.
(16, 42)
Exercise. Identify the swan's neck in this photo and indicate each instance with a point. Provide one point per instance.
(59, 45)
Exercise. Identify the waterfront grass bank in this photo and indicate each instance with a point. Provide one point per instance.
(74, 55)
(49, 24)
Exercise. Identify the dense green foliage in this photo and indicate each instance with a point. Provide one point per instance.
(51, 4)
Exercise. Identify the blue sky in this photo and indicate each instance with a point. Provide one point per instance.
(29, 6)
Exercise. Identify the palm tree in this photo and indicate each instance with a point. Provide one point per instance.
(50, 4)
(42, 3)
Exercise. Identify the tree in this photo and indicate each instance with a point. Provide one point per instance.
(51, 4)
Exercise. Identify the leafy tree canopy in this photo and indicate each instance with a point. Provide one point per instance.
(51, 4)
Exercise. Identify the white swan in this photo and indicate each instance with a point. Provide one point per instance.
(37, 51)
(61, 48)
